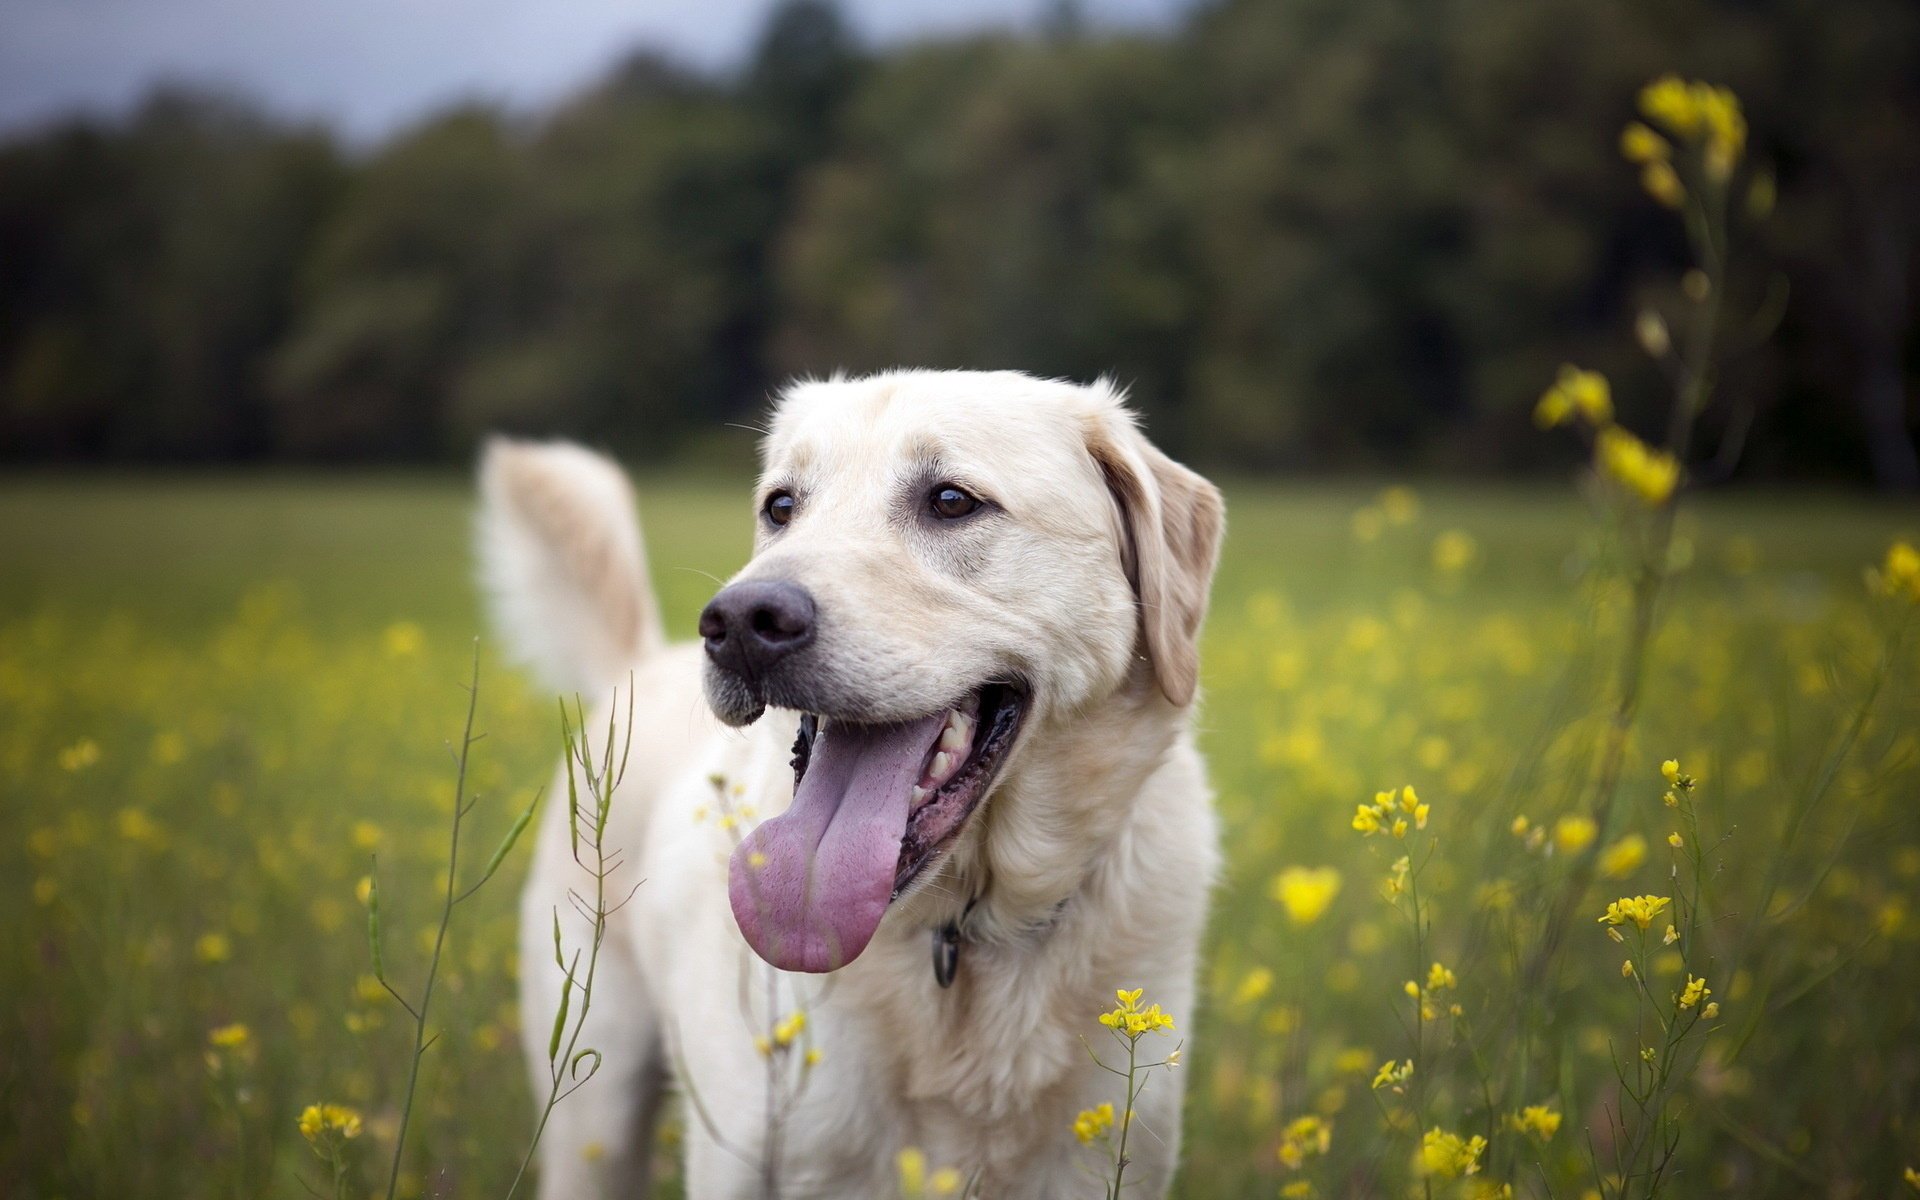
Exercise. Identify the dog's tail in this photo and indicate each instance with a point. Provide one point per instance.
(562, 563)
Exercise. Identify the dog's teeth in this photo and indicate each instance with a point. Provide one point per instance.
(942, 766)
(916, 795)
(955, 736)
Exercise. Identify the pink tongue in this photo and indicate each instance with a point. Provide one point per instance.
(825, 866)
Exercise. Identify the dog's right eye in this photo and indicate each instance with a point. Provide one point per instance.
(779, 507)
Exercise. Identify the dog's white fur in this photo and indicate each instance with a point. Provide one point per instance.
(1092, 857)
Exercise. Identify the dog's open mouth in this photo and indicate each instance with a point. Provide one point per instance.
(873, 806)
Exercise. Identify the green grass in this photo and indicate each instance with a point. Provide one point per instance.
(266, 670)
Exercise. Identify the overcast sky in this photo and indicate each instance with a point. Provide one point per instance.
(369, 65)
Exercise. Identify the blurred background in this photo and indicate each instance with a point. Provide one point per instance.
(1312, 236)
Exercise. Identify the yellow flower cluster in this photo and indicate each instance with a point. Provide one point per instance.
(1899, 576)
(1393, 1075)
(1648, 473)
(1696, 113)
(1695, 991)
(318, 1121)
(1448, 1155)
(1641, 910)
(916, 1181)
(1537, 1119)
(1302, 1138)
(1132, 1020)
(1093, 1123)
(1389, 813)
(1584, 394)
(1678, 783)
(230, 1037)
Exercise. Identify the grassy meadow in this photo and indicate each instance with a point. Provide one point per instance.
(220, 697)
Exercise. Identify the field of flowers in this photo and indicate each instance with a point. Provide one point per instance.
(219, 700)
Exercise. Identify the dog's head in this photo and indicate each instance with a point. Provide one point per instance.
(945, 562)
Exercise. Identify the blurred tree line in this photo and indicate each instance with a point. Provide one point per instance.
(1312, 234)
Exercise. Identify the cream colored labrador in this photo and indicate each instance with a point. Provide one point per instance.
(941, 794)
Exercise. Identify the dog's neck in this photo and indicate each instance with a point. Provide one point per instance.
(1057, 815)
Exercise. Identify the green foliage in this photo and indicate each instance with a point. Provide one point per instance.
(1309, 234)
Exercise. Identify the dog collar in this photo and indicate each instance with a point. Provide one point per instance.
(946, 946)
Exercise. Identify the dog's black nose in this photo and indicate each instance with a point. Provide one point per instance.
(750, 626)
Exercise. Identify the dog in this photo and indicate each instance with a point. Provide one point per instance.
(927, 780)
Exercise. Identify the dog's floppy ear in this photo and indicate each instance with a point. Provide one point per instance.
(562, 563)
(1173, 521)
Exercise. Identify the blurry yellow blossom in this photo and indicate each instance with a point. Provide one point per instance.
(1454, 551)
(1662, 182)
(1575, 392)
(1641, 910)
(81, 755)
(366, 835)
(403, 639)
(319, 1120)
(1448, 1155)
(1400, 505)
(1641, 145)
(1537, 1119)
(1648, 473)
(213, 948)
(1623, 857)
(1671, 936)
(1256, 984)
(1712, 1011)
(1626, 968)
(1571, 835)
(1675, 840)
(1299, 1189)
(789, 1028)
(1439, 977)
(230, 1037)
(136, 826)
(1302, 1138)
(1093, 1122)
(1650, 330)
(1306, 892)
(1899, 575)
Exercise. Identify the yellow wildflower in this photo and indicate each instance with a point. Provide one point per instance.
(1575, 392)
(789, 1028)
(1392, 1075)
(1623, 857)
(1662, 182)
(81, 755)
(1093, 1123)
(1439, 977)
(1367, 819)
(1641, 145)
(1537, 1119)
(1641, 910)
(1132, 1021)
(317, 1121)
(1448, 1155)
(1712, 1011)
(1899, 575)
(1571, 835)
(1303, 1138)
(213, 948)
(1306, 892)
(1258, 983)
(230, 1037)
(1675, 840)
(911, 1163)
(1696, 991)
(1649, 474)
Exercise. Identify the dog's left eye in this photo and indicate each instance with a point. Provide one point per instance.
(950, 503)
